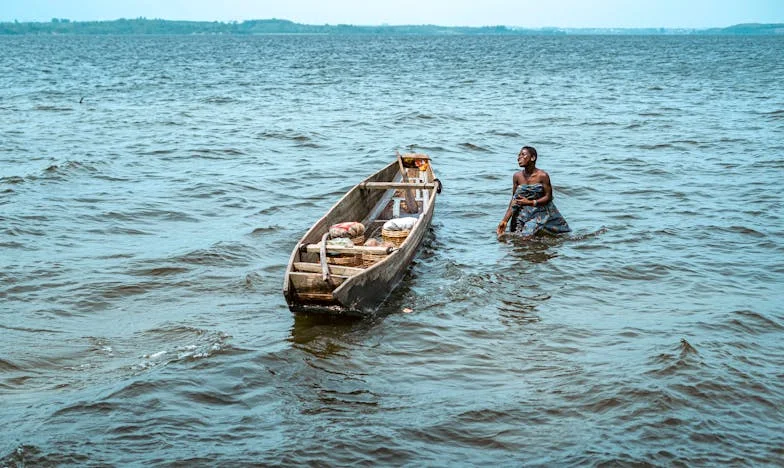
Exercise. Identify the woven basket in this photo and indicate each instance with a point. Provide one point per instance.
(368, 260)
(396, 237)
(359, 240)
(345, 260)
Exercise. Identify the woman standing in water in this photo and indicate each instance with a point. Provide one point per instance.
(532, 203)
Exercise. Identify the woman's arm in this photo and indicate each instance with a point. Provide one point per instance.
(502, 225)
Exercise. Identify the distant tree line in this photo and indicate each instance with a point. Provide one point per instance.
(278, 26)
(268, 26)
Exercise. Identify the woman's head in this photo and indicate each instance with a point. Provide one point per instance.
(527, 154)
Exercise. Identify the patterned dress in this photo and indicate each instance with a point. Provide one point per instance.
(529, 220)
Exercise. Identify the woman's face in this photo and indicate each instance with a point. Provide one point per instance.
(523, 157)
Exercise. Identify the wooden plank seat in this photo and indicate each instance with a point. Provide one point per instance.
(357, 249)
(325, 297)
(307, 267)
(398, 185)
(314, 282)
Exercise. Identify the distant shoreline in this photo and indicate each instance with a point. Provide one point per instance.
(277, 26)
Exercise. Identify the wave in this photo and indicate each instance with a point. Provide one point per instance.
(656, 146)
(753, 323)
(66, 169)
(219, 100)
(148, 215)
(182, 343)
(158, 270)
(221, 254)
(505, 133)
(260, 231)
(215, 153)
(289, 135)
(8, 366)
(773, 115)
(473, 147)
(160, 240)
(53, 108)
(14, 180)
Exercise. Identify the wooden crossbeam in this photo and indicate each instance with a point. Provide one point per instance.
(397, 185)
(316, 248)
(333, 269)
(313, 282)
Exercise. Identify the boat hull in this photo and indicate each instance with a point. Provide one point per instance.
(363, 292)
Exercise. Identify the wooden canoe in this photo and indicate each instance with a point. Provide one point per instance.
(356, 280)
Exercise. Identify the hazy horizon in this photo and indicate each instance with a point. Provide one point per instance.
(435, 25)
(675, 14)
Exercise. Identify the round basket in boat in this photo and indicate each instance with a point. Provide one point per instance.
(396, 237)
(359, 240)
(345, 260)
(368, 259)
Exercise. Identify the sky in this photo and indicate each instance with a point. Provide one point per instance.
(522, 13)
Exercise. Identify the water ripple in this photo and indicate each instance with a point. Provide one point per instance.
(145, 233)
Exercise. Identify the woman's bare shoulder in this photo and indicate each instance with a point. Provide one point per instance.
(542, 175)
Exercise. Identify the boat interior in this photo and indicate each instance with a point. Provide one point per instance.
(402, 189)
